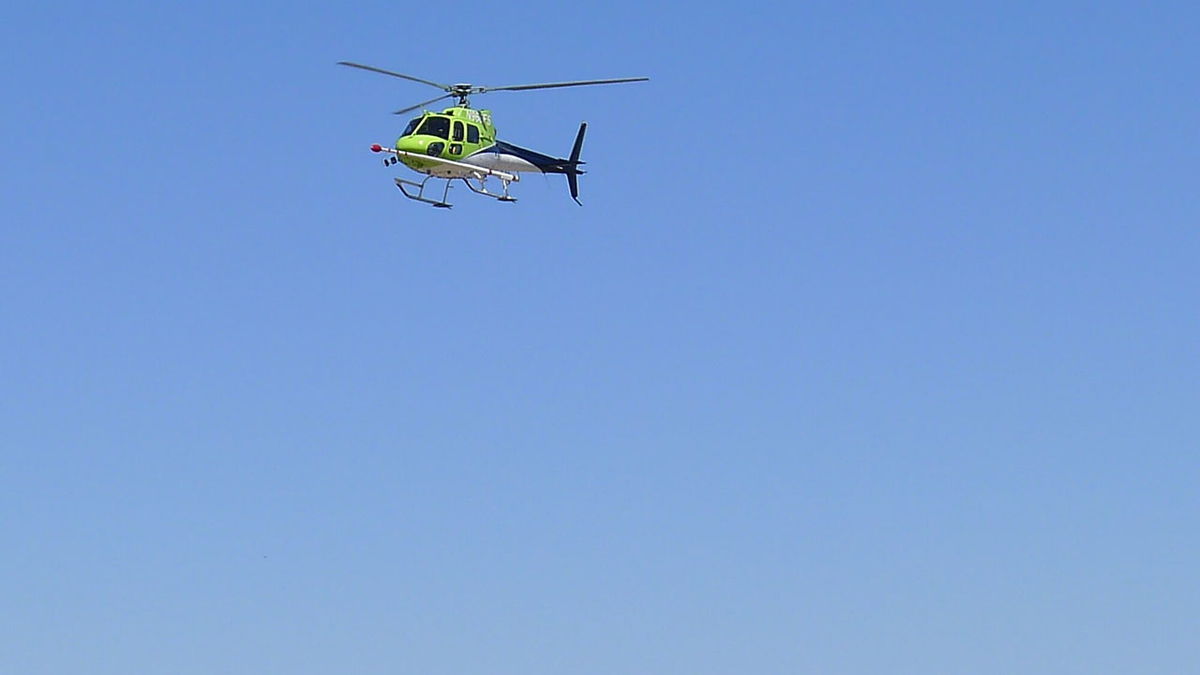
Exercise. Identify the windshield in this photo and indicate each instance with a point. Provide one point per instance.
(436, 126)
(412, 126)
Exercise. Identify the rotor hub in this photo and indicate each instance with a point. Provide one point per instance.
(462, 91)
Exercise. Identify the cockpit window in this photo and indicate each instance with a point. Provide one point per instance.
(436, 126)
(412, 126)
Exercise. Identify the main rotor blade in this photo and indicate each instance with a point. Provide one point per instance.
(443, 87)
(422, 105)
(552, 85)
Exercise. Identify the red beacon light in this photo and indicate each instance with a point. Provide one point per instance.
(376, 148)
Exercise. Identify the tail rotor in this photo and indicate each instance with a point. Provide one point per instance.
(572, 167)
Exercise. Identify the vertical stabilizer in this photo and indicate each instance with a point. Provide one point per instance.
(572, 168)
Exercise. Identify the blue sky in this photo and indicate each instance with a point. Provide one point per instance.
(873, 348)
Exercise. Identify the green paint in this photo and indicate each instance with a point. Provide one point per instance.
(460, 125)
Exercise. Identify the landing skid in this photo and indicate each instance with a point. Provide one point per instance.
(420, 196)
(443, 203)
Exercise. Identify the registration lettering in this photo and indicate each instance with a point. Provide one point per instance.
(478, 117)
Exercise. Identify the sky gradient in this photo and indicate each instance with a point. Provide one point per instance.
(872, 350)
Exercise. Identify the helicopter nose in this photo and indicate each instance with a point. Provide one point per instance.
(410, 144)
(421, 145)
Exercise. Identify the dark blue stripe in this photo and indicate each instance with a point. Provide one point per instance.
(546, 163)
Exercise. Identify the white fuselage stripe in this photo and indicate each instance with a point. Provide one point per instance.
(501, 162)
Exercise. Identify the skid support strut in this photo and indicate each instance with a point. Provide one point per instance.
(482, 189)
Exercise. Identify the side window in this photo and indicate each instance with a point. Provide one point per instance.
(458, 130)
(472, 133)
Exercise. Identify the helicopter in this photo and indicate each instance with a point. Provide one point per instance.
(460, 143)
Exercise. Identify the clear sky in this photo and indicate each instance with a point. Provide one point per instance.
(874, 348)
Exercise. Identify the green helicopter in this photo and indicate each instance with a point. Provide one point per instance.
(460, 143)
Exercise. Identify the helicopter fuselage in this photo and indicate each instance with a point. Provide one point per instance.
(466, 138)
(460, 142)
